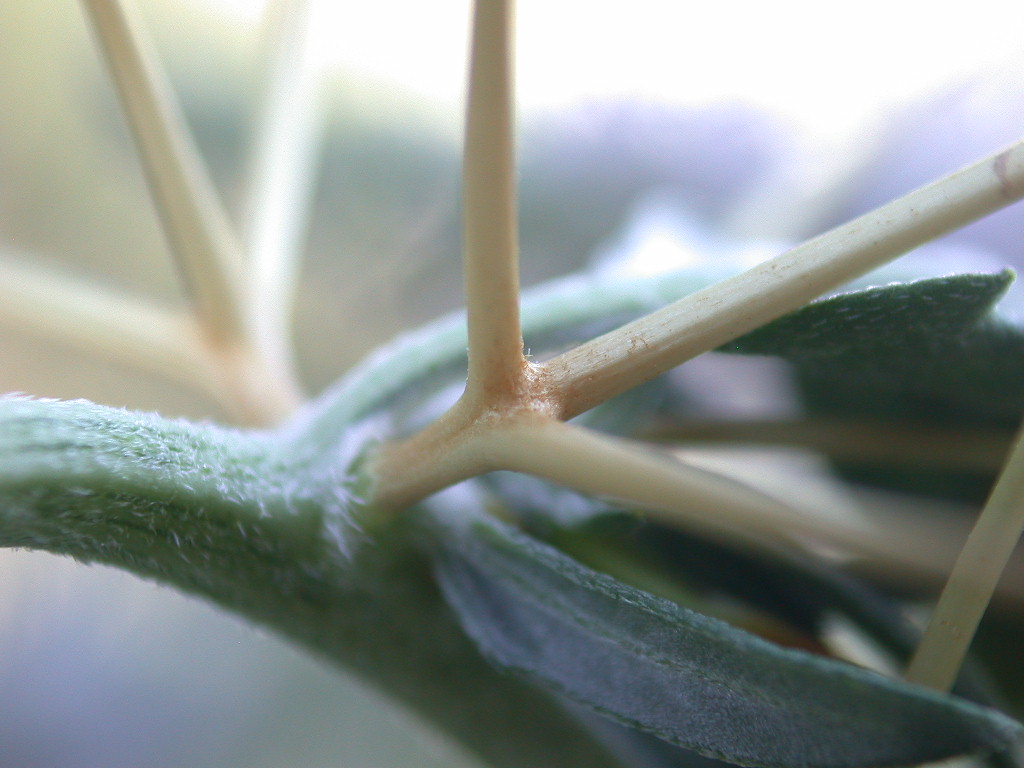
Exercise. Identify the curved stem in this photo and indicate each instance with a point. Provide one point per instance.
(637, 352)
(490, 255)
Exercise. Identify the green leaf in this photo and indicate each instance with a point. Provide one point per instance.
(802, 592)
(976, 378)
(973, 383)
(888, 320)
(691, 680)
(929, 353)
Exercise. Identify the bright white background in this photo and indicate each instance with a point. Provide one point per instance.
(828, 66)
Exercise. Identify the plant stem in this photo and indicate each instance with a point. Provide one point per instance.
(908, 541)
(675, 492)
(708, 502)
(617, 361)
(282, 174)
(249, 382)
(97, 321)
(932, 533)
(973, 580)
(193, 218)
(490, 255)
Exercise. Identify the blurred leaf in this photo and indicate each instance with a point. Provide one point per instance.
(691, 680)
(972, 381)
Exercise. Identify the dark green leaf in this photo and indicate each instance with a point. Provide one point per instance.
(888, 320)
(804, 593)
(926, 350)
(691, 680)
(975, 378)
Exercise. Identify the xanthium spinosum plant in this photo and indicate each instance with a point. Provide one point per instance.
(545, 617)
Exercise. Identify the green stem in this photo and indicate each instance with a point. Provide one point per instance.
(282, 541)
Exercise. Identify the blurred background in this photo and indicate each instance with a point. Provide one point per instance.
(742, 122)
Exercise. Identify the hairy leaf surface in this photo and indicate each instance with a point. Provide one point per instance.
(693, 681)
